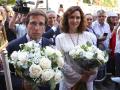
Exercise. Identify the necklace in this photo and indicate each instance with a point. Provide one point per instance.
(74, 43)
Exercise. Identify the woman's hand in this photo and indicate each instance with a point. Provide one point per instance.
(89, 72)
(86, 74)
(84, 77)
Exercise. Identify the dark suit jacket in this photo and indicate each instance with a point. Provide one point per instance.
(50, 34)
(14, 45)
(17, 81)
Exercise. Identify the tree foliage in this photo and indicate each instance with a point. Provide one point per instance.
(2, 2)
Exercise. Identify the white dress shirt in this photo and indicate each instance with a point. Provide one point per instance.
(100, 30)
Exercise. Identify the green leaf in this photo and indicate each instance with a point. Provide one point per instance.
(89, 44)
(10, 1)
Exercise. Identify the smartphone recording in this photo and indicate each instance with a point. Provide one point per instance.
(105, 34)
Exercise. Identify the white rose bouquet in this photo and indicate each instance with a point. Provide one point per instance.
(38, 65)
(88, 56)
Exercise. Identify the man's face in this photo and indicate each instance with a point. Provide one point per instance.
(52, 18)
(36, 27)
(101, 18)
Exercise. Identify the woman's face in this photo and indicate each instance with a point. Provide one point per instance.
(89, 19)
(114, 20)
(74, 20)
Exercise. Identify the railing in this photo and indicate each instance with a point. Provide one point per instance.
(4, 59)
(6, 70)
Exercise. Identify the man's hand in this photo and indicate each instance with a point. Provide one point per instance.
(103, 38)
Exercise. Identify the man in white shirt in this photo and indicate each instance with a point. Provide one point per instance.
(103, 34)
(100, 27)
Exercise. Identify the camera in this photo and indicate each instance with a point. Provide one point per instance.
(21, 6)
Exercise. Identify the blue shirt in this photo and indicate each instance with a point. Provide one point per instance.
(100, 30)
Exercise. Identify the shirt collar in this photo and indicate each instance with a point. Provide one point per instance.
(101, 25)
(29, 39)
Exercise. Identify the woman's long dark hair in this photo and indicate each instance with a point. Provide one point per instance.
(65, 25)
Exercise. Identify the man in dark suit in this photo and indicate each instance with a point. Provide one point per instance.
(36, 21)
(52, 28)
(52, 33)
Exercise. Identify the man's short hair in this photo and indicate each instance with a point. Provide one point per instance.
(50, 11)
(36, 12)
(100, 12)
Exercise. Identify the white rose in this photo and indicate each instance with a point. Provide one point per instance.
(29, 44)
(14, 56)
(45, 63)
(36, 45)
(37, 50)
(21, 64)
(106, 59)
(58, 76)
(49, 51)
(23, 57)
(35, 71)
(101, 56)
(32, 44)
(79, 50)
(47, 74)
(89, 55)
(72, 52)
(36, 56)
(58, 53)
(90, 48)
(60, 62)
(94, 49)
(98, 50)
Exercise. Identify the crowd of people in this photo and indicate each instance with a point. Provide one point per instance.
(64, 32)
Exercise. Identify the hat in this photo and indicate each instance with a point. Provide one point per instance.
(112, 14)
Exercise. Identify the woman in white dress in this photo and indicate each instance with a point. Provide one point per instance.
(73, 28)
